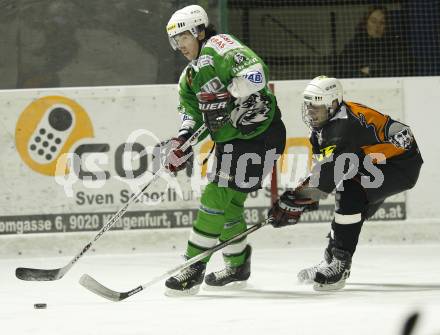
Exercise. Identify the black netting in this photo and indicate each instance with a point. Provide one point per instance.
(347, 39)
(56, 43)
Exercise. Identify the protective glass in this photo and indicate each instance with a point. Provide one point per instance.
(181, 39)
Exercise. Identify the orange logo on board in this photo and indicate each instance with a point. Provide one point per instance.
(47, 129)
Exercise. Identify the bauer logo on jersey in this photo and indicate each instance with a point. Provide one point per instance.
(255, 77)
(47, 128)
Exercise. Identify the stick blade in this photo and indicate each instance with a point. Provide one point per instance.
(99, 289)
(410, 323)
(30, 274)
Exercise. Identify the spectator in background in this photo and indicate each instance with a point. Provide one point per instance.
(375, 50)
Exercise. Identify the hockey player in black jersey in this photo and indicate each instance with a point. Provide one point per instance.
(363, 155)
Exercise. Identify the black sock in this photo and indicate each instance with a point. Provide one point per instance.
(346, 236)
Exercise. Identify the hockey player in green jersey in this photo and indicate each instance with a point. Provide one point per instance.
(225, 87)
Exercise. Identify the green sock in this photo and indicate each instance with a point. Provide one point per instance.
(210, 219)
(234, 254)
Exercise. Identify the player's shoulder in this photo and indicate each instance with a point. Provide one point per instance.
(358, 109)
(341, 120)
(221, 44)
(367, 116)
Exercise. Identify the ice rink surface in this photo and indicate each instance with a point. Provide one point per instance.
(387, 284)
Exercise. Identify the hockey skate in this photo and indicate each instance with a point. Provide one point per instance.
(307, 276)
(231, 277)
(187, 282)
(332, 277)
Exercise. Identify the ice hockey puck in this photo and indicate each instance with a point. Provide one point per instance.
(40, 306)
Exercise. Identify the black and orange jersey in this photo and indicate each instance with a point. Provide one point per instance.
(359, 130)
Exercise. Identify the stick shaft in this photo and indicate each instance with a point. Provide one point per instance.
(94, 286)
(54, 274)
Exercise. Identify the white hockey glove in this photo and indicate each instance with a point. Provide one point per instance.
(177, 159)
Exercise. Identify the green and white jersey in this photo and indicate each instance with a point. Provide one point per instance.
(227, 64)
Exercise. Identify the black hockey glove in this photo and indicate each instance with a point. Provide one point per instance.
(176, 159)
(288, 209)
(214, 108)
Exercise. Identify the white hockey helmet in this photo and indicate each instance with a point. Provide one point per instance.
(318, 100)
(189, 18)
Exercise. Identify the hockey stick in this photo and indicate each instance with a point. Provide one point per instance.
(55, 274)
(92, 285)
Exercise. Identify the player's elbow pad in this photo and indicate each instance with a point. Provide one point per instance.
(248, 81)
(400, 135)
